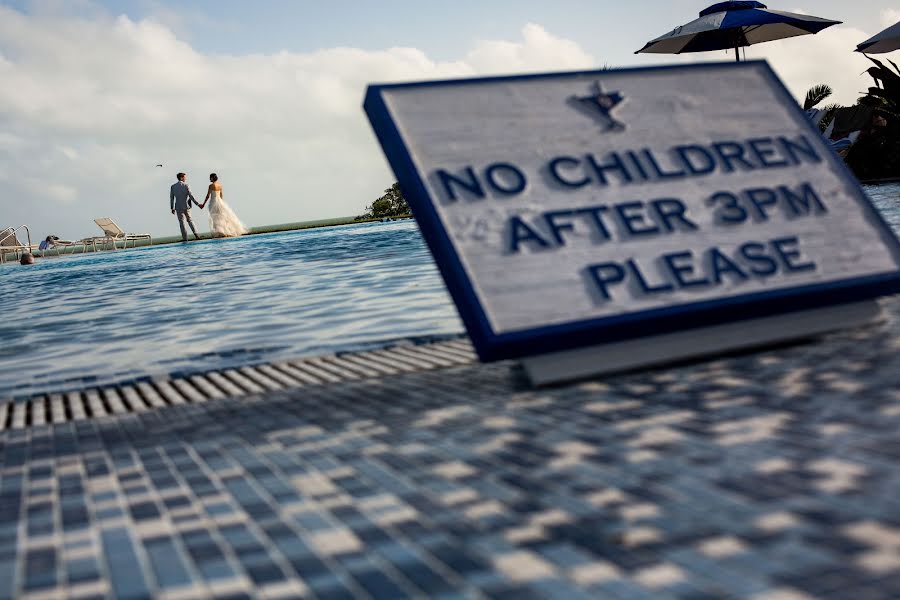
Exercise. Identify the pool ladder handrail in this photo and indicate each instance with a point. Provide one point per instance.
(17, 247)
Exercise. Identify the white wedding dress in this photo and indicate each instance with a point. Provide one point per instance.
(222, 220)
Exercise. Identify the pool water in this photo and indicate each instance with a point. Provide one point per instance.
(115, 316)
(887, 199)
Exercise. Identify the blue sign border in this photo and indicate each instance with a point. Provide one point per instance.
(492, 346)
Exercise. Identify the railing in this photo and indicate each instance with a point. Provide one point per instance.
(10, 234)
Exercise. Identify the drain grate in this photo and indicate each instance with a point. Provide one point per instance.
(50, 409)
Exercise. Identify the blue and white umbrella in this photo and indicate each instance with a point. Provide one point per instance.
(735, 24)
(886, 41)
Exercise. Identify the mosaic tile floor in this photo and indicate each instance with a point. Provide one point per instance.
(771, 476)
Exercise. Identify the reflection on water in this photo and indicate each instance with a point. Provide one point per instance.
(216, 304)
(887, 198)
(107, 317)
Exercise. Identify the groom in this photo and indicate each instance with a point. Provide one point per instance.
(180, 198)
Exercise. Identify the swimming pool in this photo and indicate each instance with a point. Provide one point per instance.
(114, 316)
(887, 198)
(110, 317)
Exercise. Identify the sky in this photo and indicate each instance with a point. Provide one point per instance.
(268, 94)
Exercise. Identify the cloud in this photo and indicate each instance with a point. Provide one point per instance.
(826, 57)
(538, 51)
(89, 107)
(889, 16)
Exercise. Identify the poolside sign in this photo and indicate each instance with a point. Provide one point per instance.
(649, 214)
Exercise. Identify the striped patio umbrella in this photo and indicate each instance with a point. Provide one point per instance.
(735, 24)
(886, 41)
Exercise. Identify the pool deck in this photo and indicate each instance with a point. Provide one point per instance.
(416, 472)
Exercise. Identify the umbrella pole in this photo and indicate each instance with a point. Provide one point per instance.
(737, 54)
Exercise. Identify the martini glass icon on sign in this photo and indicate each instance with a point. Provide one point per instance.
(600, 105)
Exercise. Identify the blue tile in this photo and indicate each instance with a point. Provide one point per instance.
(40, 569)
(242, 491)
(7, 577)
(144, 511)
(279, 490)
(459, 560)
(219, 508)
(240, 538)
(167, 562)
(378, 585)
(213, 569)
(512, 592)
(312, 521)
(623, 589)
(423, 576)
(558, 588)
(133, 476)
(263, 573)
(40, 526)
(103, 497)
(75, 518)
(333, 590)
(109, 513)
(173, 502)
(197, 537)
(136, 490)
(125, 570)
(82, 570)
(292, 547)
(96, 468)
(309, 567)
(201, 485)
(8, 531)
(43, 472)
(252, 555)
(41, 490)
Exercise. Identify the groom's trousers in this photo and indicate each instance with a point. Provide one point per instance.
(185, 215)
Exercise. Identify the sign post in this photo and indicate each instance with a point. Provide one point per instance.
(591, 222)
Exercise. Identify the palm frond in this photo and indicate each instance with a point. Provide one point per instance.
(816, 94)
(896, 68)
(875, 60)
(830, 112)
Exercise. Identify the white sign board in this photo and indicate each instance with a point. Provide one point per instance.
(573, 209)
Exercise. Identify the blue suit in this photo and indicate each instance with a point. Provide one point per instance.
(180, 198)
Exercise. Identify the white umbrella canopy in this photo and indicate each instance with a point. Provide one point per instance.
(735, 24)
(880, 43)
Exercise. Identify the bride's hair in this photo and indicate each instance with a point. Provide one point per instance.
(213, 177)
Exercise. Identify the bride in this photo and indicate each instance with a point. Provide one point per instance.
(222, 220)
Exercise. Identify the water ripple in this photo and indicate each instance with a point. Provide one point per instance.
(98, 318)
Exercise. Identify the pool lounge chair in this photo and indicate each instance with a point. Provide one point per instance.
(114, 234)
(61, 246)
(9, 242)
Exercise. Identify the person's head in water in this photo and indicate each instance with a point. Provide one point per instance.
(213, 177)
(181, 176)
(27, 258)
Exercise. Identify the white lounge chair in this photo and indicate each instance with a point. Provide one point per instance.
(61, 246)
(114, 233)
(9, 242)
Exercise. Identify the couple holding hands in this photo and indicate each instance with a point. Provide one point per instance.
(222, 220)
